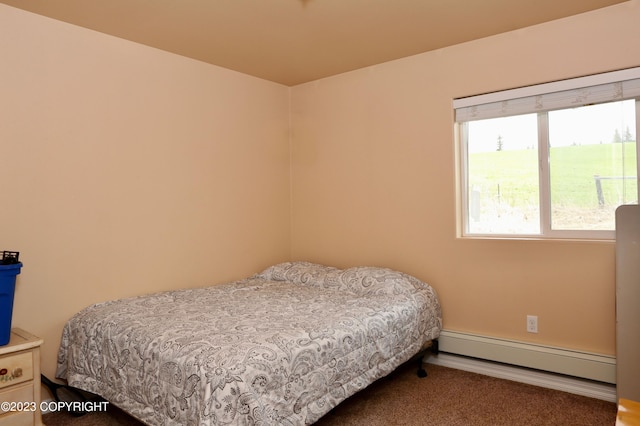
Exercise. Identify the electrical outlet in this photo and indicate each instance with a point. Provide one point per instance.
(532, 323)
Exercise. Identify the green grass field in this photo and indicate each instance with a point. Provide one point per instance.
(504, 196)
(511, 177)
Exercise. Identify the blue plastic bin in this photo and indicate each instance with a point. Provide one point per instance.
(8, 275)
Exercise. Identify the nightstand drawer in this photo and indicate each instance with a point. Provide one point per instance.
(22, 418)
(20, 379)
(16, 368)
(22, 393)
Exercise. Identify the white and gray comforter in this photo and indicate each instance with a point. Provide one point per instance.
(280, 348)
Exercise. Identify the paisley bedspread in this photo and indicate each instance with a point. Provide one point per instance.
(282, 347)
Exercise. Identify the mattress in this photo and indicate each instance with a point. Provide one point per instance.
(282, 347)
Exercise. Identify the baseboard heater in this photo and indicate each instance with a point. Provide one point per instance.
(584, 365)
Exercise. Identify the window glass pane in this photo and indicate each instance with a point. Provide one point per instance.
(592, 164)
(502, 176)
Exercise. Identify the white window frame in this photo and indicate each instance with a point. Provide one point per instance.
(542, 98)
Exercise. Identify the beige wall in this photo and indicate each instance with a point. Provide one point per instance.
(126, 170)
(373, 172)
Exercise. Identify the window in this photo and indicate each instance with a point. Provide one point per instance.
(552, 160)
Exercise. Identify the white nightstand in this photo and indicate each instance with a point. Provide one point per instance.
(20, 380)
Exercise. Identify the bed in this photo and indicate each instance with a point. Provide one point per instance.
(282, 347)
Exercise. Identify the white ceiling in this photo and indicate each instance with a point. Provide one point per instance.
(295, 41)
